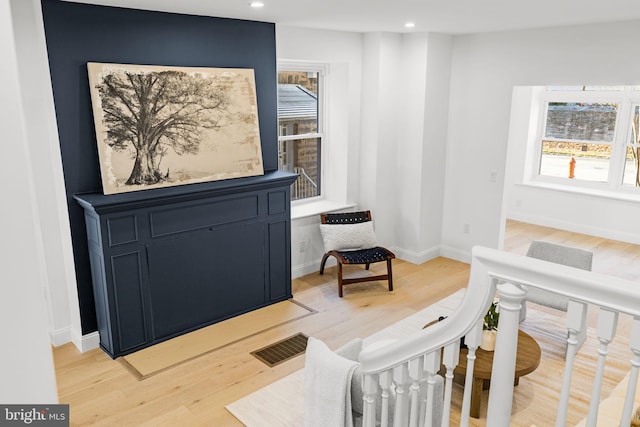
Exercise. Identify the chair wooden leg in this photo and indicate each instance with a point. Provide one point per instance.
(324, 260)
(366, 267)
(390, 274)
(339, 279)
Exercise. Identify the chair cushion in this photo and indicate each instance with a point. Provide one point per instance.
(364, 256)
(559, 254)
(342, 237)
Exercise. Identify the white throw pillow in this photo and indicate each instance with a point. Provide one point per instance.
(348, 237)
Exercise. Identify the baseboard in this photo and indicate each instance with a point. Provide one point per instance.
(405, 255)
(416, 257)
(87, 342)
(60, 336)
(455, 254)
(576, 228)
(313, 267)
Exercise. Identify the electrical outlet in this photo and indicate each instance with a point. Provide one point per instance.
(493, 176)
(303, 246)
(466, 228)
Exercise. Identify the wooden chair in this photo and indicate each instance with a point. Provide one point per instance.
(366, 256)
(559, 254)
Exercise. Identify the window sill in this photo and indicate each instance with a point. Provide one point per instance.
(593, 192)
(304, 210)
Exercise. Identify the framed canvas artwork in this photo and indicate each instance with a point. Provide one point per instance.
(159, 126)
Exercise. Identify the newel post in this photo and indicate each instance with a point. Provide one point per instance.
(504, 358)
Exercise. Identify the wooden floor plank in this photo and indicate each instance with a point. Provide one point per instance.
(167, 354)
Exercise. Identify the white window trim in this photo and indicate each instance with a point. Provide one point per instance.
(312, 205)
(333, 197)
(613, 188)
(322, 70)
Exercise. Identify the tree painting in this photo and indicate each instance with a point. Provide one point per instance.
(202, 122)
(157, 111)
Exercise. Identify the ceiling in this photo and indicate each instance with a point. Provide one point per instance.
(444, 16)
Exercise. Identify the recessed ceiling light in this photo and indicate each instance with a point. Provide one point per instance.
(256, 4)
(409, 25)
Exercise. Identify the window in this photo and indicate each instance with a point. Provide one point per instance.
(631, 175)
(589, 137)
(300, 132)
(578, 140)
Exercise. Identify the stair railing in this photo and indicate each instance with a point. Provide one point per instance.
(407, 366)
(304, 186)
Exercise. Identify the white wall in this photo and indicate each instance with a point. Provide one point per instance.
(395, 139)
(485, 69)
(342, 51)
(411, 81)
(26, 363)
(381, 127)
(404, 125)
(42, 134)
(434, 143)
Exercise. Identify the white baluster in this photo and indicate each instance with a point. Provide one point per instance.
(504, 358)
(386, 378)
(576, 324)
(402, 381)
(416, 373)
(431, 367)
(578, 310)
(472, 340)
(450, 361)
(607, 322)
(633, 375)
(370, 388)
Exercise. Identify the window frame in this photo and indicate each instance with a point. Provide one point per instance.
(626, 98)
(321, 129)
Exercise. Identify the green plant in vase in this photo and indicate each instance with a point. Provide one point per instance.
(491, 318)
(490, 328)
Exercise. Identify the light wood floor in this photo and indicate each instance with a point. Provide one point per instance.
(610, 257)
(102, 391)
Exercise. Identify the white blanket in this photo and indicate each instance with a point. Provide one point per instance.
(327, 378)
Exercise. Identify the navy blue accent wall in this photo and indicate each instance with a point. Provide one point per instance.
(80, 33)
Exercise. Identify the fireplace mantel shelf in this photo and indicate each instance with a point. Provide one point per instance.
(101, 203)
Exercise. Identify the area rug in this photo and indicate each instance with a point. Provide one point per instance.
(162, 356)
(535, 398)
